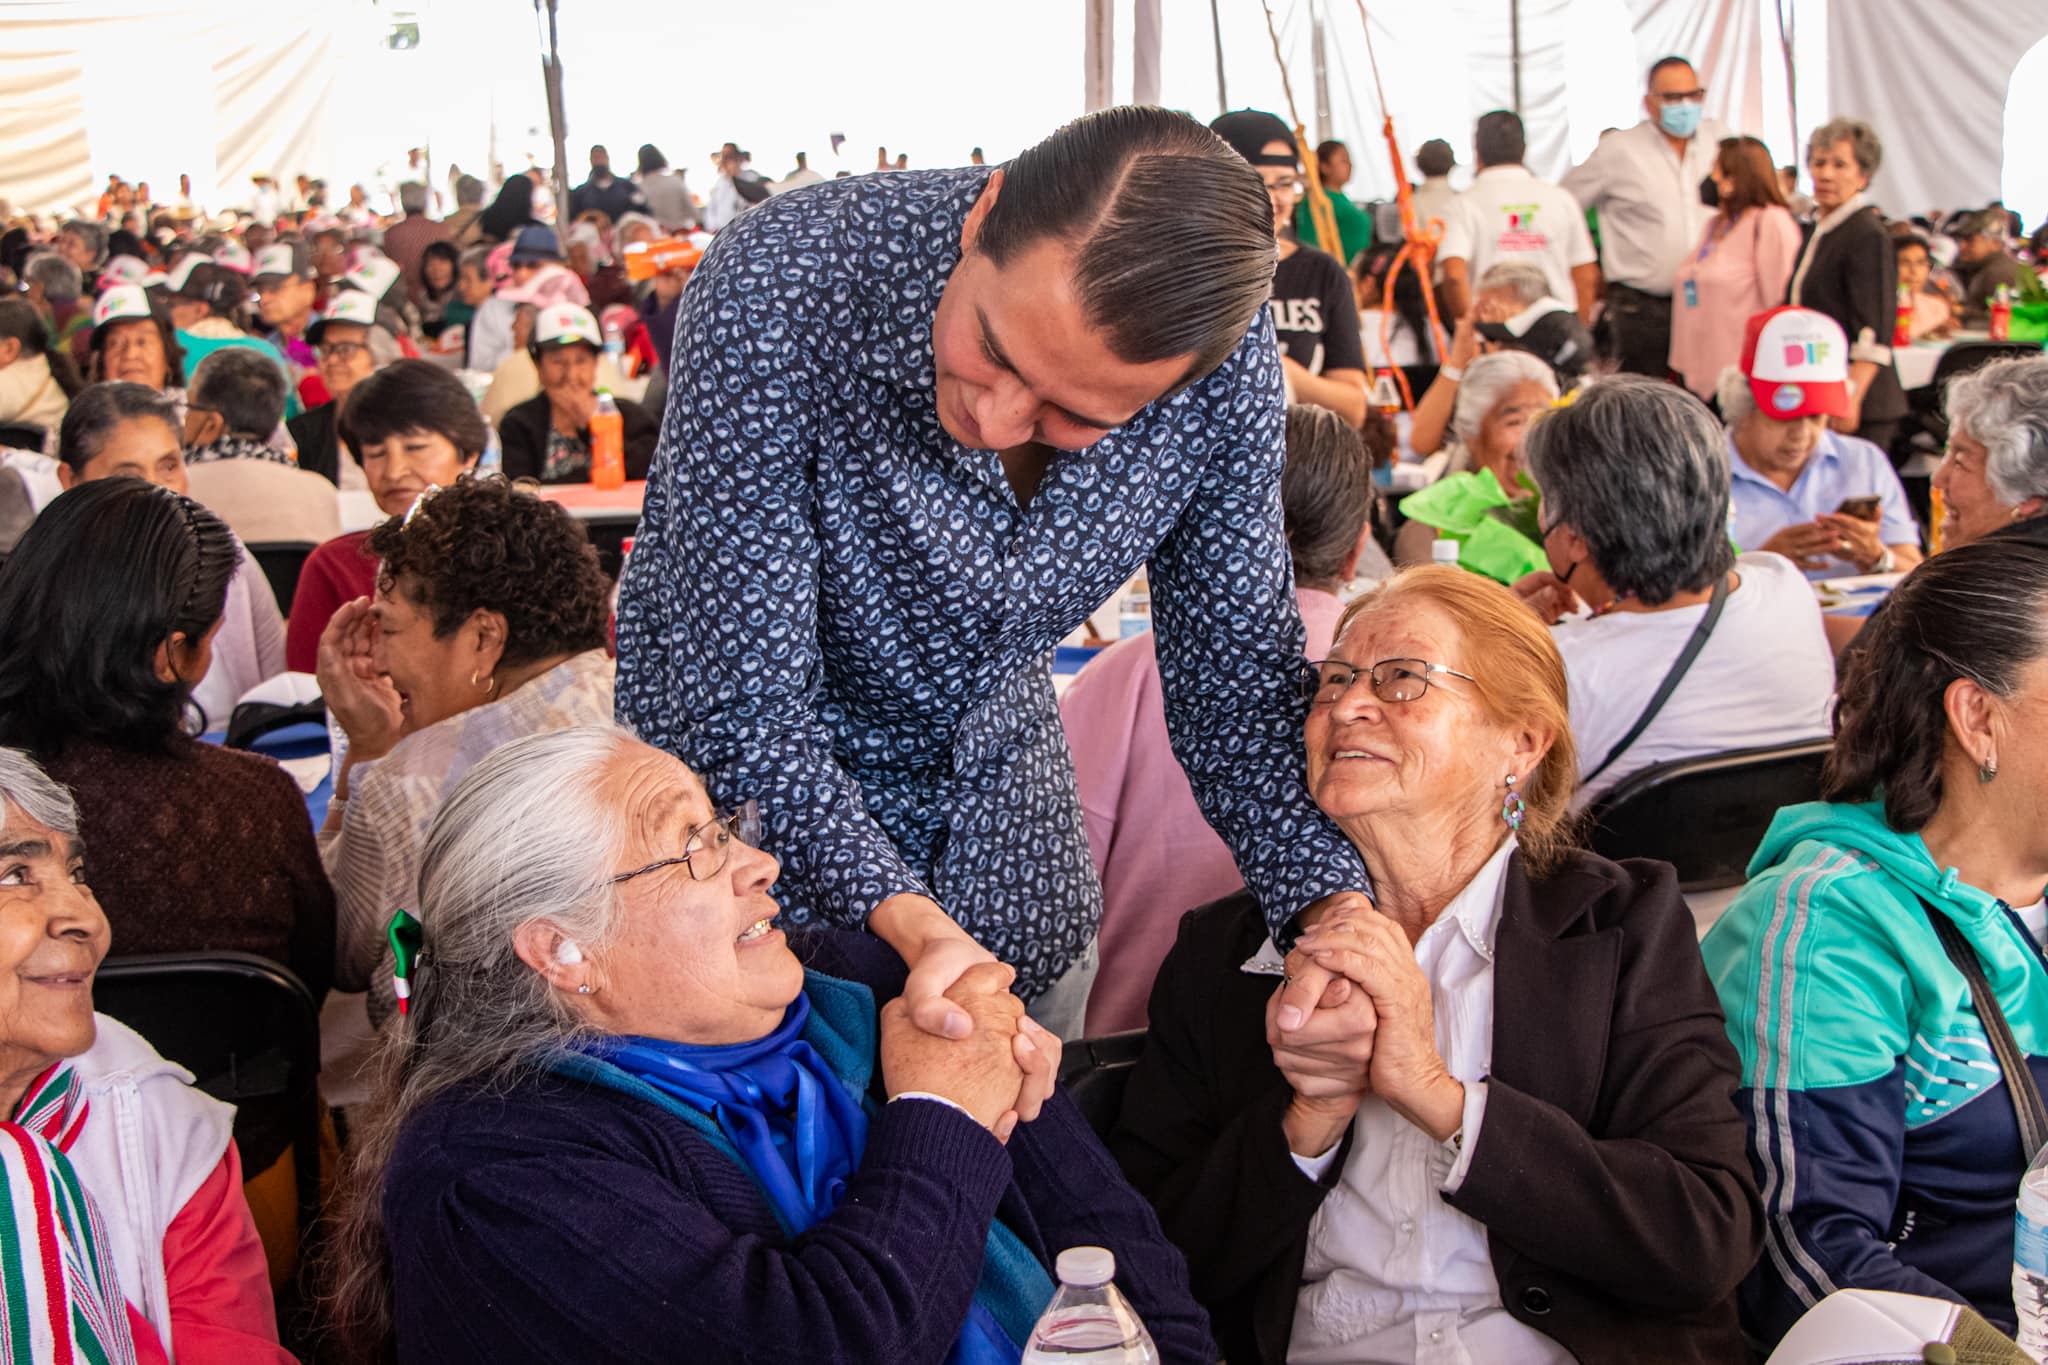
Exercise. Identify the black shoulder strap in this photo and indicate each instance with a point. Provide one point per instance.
(2019, 1080)
(1679, 668)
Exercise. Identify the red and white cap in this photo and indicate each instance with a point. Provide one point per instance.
(1797, 364)
(122, 303)
(235, 257)
(564, 324)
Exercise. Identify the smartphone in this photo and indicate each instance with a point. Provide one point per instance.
(1869, 507)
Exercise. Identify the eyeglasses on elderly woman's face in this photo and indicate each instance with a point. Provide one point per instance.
(1327, 681)
(708, 847)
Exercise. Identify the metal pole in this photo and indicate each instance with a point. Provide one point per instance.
(551, 70)
(1320, 58)
(1514, 50)
(1216, 29)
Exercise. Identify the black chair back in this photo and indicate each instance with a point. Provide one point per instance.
(281, 562)
(1095, 1071)
(248, 1031)
(1705, 816)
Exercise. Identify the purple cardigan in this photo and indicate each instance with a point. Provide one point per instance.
(562, 1221)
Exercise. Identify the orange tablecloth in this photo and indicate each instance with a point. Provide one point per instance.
(591, 504)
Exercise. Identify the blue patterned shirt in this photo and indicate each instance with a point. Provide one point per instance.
(838, 610)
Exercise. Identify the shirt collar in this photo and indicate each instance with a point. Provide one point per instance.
(1475, 910)
(1839, 215)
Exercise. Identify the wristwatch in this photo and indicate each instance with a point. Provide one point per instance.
(1886, 562)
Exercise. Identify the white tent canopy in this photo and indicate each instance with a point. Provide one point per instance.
(150, 89)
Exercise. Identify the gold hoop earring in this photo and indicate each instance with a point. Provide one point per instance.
(488, 686)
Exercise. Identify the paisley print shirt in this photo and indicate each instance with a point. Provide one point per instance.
(834, 608)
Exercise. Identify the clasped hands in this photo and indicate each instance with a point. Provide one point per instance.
(1001, 1071)
(1354, 1018)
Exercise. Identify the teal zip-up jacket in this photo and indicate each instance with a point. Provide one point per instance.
(1881, 1129)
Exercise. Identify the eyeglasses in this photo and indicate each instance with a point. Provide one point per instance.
(1393, 680)
(1294, 187)
(340, 350)
(1680, 97)
(707, 847)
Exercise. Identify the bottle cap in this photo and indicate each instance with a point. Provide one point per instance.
(1444, 551)
(1086, 1267)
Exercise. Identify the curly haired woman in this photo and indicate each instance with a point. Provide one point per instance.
(488, 624)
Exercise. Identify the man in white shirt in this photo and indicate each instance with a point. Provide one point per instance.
(1644, 182)
(1510, 215)
(1434, 196)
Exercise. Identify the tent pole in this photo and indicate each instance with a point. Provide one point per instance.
(1216, 30)
(551, 72)
(1515, 51)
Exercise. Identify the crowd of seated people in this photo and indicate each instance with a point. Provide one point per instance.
(1511, 1108)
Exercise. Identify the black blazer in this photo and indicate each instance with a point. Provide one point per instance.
(1611, 1171)
(313, 432)
(1854, 279)
(523, 438)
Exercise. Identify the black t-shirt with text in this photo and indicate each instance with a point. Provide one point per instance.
(1315, 313)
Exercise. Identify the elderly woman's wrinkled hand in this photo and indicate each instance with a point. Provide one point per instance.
(1406, 1069)
(978, 1072)
(358, 695)
(1549, 596)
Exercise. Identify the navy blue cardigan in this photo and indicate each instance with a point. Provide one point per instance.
(559, 1220)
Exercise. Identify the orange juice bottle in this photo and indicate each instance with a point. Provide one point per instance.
(1937, 512)
(607, 443)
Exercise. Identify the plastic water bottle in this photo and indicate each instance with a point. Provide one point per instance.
(615, 344)
(1134, 608)
(2030, 1259)
(1444, 550)
(1087, 1319)
(607, 443)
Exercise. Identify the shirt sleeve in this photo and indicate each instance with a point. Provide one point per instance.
(1900, 527)
(719, 658)
(1578, 239)
(1457, 240)
(1777, 251)
(1342, 347)
(1587, 181)
(1231, 647)
(218, 1280)
(1870, 291)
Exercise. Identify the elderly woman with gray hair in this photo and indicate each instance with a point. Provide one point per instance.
(1849, 270)
(1994, 475)
(1688, 648)
(1496, 397)
(625, 1118)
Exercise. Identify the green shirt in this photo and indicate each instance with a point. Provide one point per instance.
(1354, 226)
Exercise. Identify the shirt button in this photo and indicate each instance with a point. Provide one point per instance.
(1437, 1336)
(1407, 1227)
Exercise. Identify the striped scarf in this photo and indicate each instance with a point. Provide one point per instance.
(60, 1302)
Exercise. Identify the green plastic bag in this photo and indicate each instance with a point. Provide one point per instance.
(1473, 510)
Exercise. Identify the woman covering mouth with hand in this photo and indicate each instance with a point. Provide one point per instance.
(488, 623)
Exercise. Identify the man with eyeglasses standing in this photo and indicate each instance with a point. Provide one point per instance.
(1646, 184)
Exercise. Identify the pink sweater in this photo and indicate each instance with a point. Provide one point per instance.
(1156, 855)
(1721, 284)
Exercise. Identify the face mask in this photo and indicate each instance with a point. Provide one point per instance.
(1710, 193)
(1680, 120)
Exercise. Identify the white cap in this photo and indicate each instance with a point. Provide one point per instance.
(374, 275)
(235, 257)
(121, 303)
(559, 324)
(1444, 550)
(1086, 1267)
(347, 305)
(175, 277)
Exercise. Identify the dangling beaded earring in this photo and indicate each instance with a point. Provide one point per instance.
(1514, 807)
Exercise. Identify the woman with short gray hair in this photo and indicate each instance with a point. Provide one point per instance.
(1496, 397)
(1849, 270)
(1671, 661)
(1994, 474)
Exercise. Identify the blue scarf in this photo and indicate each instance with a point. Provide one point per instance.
(799, 1131)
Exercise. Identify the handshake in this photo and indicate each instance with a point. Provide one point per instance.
(1000, 1073)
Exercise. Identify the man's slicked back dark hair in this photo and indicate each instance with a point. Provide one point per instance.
(1172, 230)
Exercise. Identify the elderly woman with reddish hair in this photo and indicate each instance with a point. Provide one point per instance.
(1490, 1119)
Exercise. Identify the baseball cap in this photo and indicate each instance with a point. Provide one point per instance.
(215, 285)
(124, 270)
(373, 274)
(282, 259)
(535, 243)
(347, 305)
(234, 256)
(1797, 364)
(122, 303)
(565, 324)
(182, 268)
(1249, 130)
